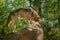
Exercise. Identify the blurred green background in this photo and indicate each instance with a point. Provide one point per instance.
(49, 10)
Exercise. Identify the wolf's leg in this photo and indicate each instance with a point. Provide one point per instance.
(14, 22)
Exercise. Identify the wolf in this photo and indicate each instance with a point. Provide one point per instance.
(27, 13)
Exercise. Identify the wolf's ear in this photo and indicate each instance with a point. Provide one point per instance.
(30, 8)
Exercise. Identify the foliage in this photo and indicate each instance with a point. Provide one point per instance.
(22, 23)
(50, 17)
(7, 6)
(49, 10)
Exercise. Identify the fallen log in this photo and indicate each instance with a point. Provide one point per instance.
(33, 32)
